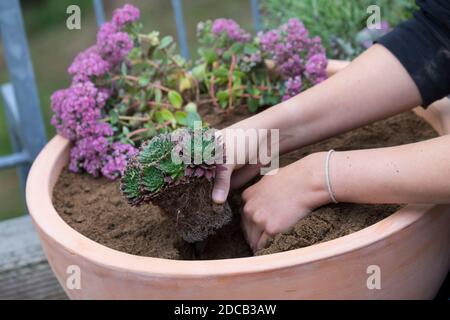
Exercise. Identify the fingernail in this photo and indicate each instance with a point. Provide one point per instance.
(219, 196)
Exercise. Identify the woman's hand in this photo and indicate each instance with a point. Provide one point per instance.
(275, 203)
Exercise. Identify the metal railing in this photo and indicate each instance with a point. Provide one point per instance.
(22, 108)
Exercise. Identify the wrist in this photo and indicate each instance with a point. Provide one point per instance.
(314, 168)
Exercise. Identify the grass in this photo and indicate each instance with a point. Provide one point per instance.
(53, 46)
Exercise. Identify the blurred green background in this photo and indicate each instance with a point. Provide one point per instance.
(53, 46)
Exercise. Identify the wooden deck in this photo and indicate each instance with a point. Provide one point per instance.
(24, 271)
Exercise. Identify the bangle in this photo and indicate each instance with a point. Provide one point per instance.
(327, 176)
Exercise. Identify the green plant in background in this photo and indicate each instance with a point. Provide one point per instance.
(337, 22)
(236, 69)
(231, 67)
(156, 89)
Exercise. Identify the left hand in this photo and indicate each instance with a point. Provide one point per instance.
(275, 203)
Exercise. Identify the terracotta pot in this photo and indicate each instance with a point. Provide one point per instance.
(411, 248)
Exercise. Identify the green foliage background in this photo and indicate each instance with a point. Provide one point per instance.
(329, 19)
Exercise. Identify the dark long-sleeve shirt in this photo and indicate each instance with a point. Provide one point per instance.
(422, 45)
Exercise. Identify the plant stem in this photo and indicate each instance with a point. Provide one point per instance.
(213, 93)
(135, 79)
(230, 82)
(154, 103)
(133, 118)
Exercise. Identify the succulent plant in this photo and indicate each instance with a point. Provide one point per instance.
(175, 171)
(166, 160)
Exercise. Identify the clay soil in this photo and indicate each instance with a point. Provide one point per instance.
(95, 208)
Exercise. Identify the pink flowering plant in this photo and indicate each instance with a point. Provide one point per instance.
(238, 69)
(131, 86)
(127, 87)
(299, 60)
(231, 68)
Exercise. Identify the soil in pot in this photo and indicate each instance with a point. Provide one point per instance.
(96, 209)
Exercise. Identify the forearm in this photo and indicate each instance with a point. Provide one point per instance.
(373, 87)
(413, 173)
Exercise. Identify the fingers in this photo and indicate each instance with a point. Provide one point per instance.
(262, 241)
(242, 176)
(222, 183)
(252, 232)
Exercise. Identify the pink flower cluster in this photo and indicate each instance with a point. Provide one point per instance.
(229, 27)
(88, 63)
(125, 15)
(292, 87)
(113, 44)
(97, 155)
(295, 54)
(79, 109)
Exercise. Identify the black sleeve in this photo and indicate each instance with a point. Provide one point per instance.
(422, 45)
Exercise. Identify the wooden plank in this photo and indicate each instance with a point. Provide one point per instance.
(24, 270)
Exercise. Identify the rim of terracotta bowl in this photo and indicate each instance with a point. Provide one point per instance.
(47, 168)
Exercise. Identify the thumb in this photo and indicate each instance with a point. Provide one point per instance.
(222, 183)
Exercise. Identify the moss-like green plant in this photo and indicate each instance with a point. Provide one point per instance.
(167, 160)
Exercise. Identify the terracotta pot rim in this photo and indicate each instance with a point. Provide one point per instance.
(53, 157)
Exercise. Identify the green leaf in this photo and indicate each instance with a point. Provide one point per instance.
(237, 47)
(222, 96)
(134, 54)
(222, 72)
(172, 169)
(192, 117)
(165, 42)
(152, 179)
(209, 54)
(131, 183)
(151, 129)
(123, 69)
(156, 149)
(114, 116)
(190, 107)
(165, 115)
(250, 49)
(158, 95)
(199, 72)
(239, 74)
(181, 117)
(175, 99)
(185, 84)
(253, 104)
(143, 80)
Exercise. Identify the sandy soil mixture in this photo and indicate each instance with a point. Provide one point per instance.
(95, 208)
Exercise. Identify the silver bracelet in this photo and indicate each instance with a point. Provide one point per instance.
(327, 176)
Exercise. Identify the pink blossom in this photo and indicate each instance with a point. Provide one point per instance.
(88, 63)
(231, 29)
(125, 15)
(112, 44)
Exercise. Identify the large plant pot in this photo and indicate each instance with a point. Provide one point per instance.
(411, 248)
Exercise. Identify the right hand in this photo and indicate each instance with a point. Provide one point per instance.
(231, 176)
